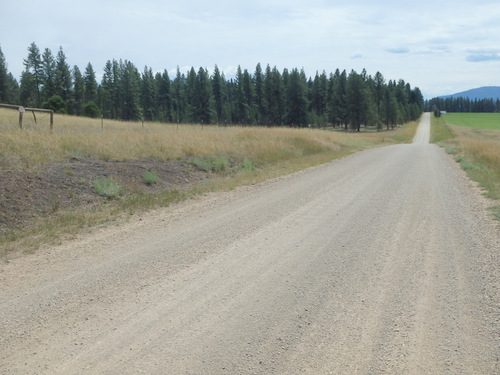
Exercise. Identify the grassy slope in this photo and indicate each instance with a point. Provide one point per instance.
(476, 147)
(84, 138)
(274, 151)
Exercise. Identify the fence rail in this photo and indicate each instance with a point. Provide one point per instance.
(22, 110)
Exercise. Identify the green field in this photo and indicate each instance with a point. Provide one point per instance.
(474, 120)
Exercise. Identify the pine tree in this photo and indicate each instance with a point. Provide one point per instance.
(90, 82)
(371, 116)
(49, 72)
(319, 98)
(259, 95)
(12, 90)
(330, 99)
(164, 97)
(357, 100)
(401, 92)
(378, 93)
(148, 95)
(28, 90)
(296, 94)
(4, 79)
(78, 92)
(338, 100)
(130, 92)
(63, 81)
(191, 96)
(274, 97)
(205, 109)
(179, 97)
(9, 88)
(416, 101)
(242, 112)
(106, 92)
(33, 64)
(248, 98)
(220, 97)
(389, 113)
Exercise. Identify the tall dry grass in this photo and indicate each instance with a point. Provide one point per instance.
(485, 151)
(480, 155)
(77, 137)
(480, 145)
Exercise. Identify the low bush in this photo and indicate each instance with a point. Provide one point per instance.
(217, 164)
(203, 164)
(108, 188)
(248, 165)
(220, 164)
(150, 178)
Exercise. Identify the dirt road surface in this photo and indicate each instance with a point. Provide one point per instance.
(384, 262)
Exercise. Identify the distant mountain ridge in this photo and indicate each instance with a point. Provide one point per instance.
(486, 92)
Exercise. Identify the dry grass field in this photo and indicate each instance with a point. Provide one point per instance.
(78, 137)
(90, 172)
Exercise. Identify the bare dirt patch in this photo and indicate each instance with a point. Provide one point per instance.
(32, 193)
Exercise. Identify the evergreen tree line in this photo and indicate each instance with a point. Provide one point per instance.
(461, 104)
(265, 97)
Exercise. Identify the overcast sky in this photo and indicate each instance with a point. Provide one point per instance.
(442, 47)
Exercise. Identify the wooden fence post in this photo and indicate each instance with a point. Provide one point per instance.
(21, 113)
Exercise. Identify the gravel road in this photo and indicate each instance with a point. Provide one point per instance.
(384, 262)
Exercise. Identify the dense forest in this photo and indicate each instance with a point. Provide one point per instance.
(265, 97)
(462, 105)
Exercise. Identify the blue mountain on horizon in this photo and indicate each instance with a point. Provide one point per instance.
(485, 92)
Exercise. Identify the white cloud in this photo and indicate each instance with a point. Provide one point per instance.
(483, 55)
(397, 50)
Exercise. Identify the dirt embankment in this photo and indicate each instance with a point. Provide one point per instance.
(28, 194)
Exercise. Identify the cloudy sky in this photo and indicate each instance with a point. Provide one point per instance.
(442, 47)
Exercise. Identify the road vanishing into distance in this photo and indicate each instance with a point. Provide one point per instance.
(383, 262)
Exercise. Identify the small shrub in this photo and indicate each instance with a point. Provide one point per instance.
(204, 164)
(466, 166)
(220, 164)
(107, 187)
(57, 104)
(449, 148)
(248, 165)
(150, 178)
(91, 110)
(217, 164)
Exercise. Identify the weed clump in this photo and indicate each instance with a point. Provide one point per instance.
(248, 165)
(107, 187)
(150, 178)
(217, 164)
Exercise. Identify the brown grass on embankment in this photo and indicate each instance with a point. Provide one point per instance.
(79, 137)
